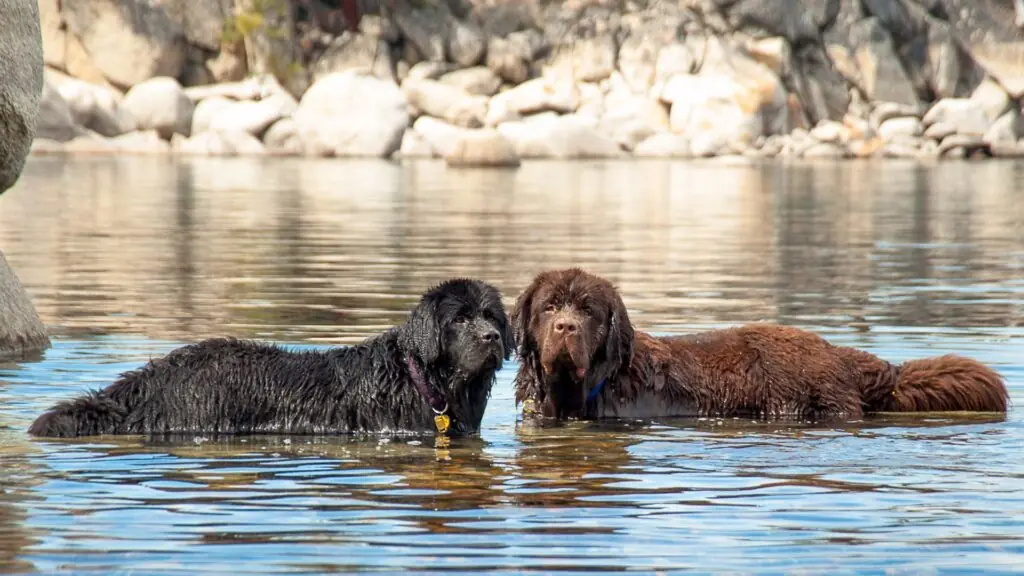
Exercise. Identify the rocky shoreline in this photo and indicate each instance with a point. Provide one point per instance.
(491, 82)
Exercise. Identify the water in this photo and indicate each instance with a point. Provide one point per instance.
(128, 258)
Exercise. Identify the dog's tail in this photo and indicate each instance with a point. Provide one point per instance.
(947, 383)
(90, 415)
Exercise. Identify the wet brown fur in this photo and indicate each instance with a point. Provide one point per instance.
(759, 370)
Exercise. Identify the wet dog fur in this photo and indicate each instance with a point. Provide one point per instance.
(457, 336)
(573, 332)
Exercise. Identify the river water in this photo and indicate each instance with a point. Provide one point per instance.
(126, 258)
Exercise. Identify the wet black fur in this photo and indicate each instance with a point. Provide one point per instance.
(458, 335)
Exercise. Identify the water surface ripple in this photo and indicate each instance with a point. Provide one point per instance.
(128, 258)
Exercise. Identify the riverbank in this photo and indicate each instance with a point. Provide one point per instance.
(492, 82)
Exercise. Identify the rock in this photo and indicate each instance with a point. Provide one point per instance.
(829, 131)
(446, 102)
(366, 54)
(351, 114)
(141, 142)
(249, 89)
(487, 147)
(95, 107)
(21, 330)
(282, 138)
(716, 109)
(773, 53)
(130, 41)
(562, 137)
(532, 97)
(844, 62)
(992, 98)
(820, 87)
(220, 114)
(896, 127)
(629, 119)
(592, 100)
(228, 65)
(466, 43)
(965, 142)
(160, 104)
(866, 148)
(429, 70)
(1007, 149)
(883, 111)
(425, 27)
(21, 87)
(219, 143)
(790, 19)
(637, 60)
(989, 34)
(663, 145)
(965, 114)
(884, 77)
(415, 146)
(54, 121)
(202, 21)
(940, 130)
(942, 61)
(858, 128)
(588, 59)
(478, 80)
(439, 135)
(673, 59)
(270, 46)
(900, 150)
(824, 150)
(510, 58)
(1007, 128)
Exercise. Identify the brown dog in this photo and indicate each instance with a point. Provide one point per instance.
(581, 358)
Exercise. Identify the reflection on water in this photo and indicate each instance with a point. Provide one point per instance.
(127, 258)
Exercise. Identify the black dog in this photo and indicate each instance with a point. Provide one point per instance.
(434, 372)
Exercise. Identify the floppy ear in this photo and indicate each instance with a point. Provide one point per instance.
(619, 343)
(523, 311)
(422, 332)
(508, 338)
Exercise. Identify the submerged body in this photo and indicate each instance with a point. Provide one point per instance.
(583, 359)
(446, 354)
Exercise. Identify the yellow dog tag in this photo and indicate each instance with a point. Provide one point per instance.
(442, 422)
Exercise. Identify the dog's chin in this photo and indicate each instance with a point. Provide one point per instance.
(489, 359)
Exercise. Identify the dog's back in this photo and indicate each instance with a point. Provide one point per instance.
(217, 384)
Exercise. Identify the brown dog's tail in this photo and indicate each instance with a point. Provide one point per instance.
(947, 383)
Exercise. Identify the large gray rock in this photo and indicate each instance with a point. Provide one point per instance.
(482, 148)
(21, 71)
(130, 41)
(968, 116)
(884, 76)
(352, 114)
(21, 330)
(562, 137)
(202, 21)
(791, 19)
(92, 106)
(479, 80)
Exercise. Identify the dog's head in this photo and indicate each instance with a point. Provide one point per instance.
(573, 332)
(462, 324)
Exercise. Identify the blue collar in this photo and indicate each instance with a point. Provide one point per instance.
(596, 390)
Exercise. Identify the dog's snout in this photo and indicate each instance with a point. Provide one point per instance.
(490, 335)
(566, 326)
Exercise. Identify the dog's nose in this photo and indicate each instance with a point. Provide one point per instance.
(566, 326)
(490, 336)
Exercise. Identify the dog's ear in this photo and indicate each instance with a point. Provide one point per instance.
(422, 332)
(619, 343)
(523, 311)
(508, 338)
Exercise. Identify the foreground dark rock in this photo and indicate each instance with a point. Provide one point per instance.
(21, 68)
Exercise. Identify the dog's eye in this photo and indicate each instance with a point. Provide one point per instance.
(461, 319)
(549, 308)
